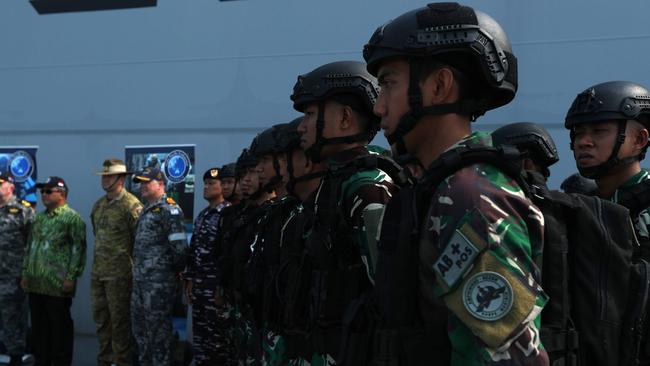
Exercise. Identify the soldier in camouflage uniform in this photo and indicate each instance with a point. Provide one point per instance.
(159, 255)
(302, 179)
(55, 257)
(272, 148)
(209, 343)
(230, 184)
(236, 243)
(337, 101)
(15, 220)
(609, 126)
(478, 293)
(113, 219)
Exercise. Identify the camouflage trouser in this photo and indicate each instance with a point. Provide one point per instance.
(151, 314)
(316, 360)
(111, 303)
(13, 315)
(210, 343)
(246, 336)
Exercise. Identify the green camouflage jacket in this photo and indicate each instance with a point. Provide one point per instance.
(56, 251)
(114, 224)
(479, 241)
(642, 221)
(361, 199)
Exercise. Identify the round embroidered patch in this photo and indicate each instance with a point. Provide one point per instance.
(488, 296)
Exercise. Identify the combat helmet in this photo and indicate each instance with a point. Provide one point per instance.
(459, 36)
(610, 101)
(347, 82)
(531, 139)
(269, 142)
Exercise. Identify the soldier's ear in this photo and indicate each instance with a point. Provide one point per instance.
(642, 138)
(347, 118)
(439, 87)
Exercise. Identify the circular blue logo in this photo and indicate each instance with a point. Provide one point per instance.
(177, 166)
(21, 166)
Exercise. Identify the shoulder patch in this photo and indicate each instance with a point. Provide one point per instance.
(26, 203)
(488, 296)
(458, 256)
(171, 201)
(493, 301)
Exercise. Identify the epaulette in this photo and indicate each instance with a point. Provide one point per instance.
(171, 201)
(26, 203)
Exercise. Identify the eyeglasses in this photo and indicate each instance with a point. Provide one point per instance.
(49, 191)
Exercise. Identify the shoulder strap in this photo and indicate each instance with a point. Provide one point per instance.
(506, 158)
(635, 198)
(373, 161)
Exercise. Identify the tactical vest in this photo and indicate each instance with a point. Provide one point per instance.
(637, 198)
(265, 261)
(337, 275)
(236, 241)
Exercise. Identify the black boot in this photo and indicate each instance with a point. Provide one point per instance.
(16, 360)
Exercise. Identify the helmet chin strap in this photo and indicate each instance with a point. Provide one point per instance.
(117, 178)
(293, 180)
(273, 183)
(410, 119)
(594, 172)
(234, 191)
(314, 151)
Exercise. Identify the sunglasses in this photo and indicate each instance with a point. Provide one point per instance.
(49, 191)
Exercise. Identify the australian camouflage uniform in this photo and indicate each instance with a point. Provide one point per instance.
(208, 340)
(15, 221)
(159, 254)
(114, 223)
(341, 247)
(478, 282)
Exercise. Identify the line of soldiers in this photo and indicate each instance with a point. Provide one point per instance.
(336, 254)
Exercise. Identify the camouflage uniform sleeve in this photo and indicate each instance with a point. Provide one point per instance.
(77, 234)
(29, 215)
(134, 210)
(479, 242)
(190, 269)
(363, 207)
(28, 218)
(176, 235)
(92, 216)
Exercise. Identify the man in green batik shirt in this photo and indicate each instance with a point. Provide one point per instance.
(114, 217)
(54, 258)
